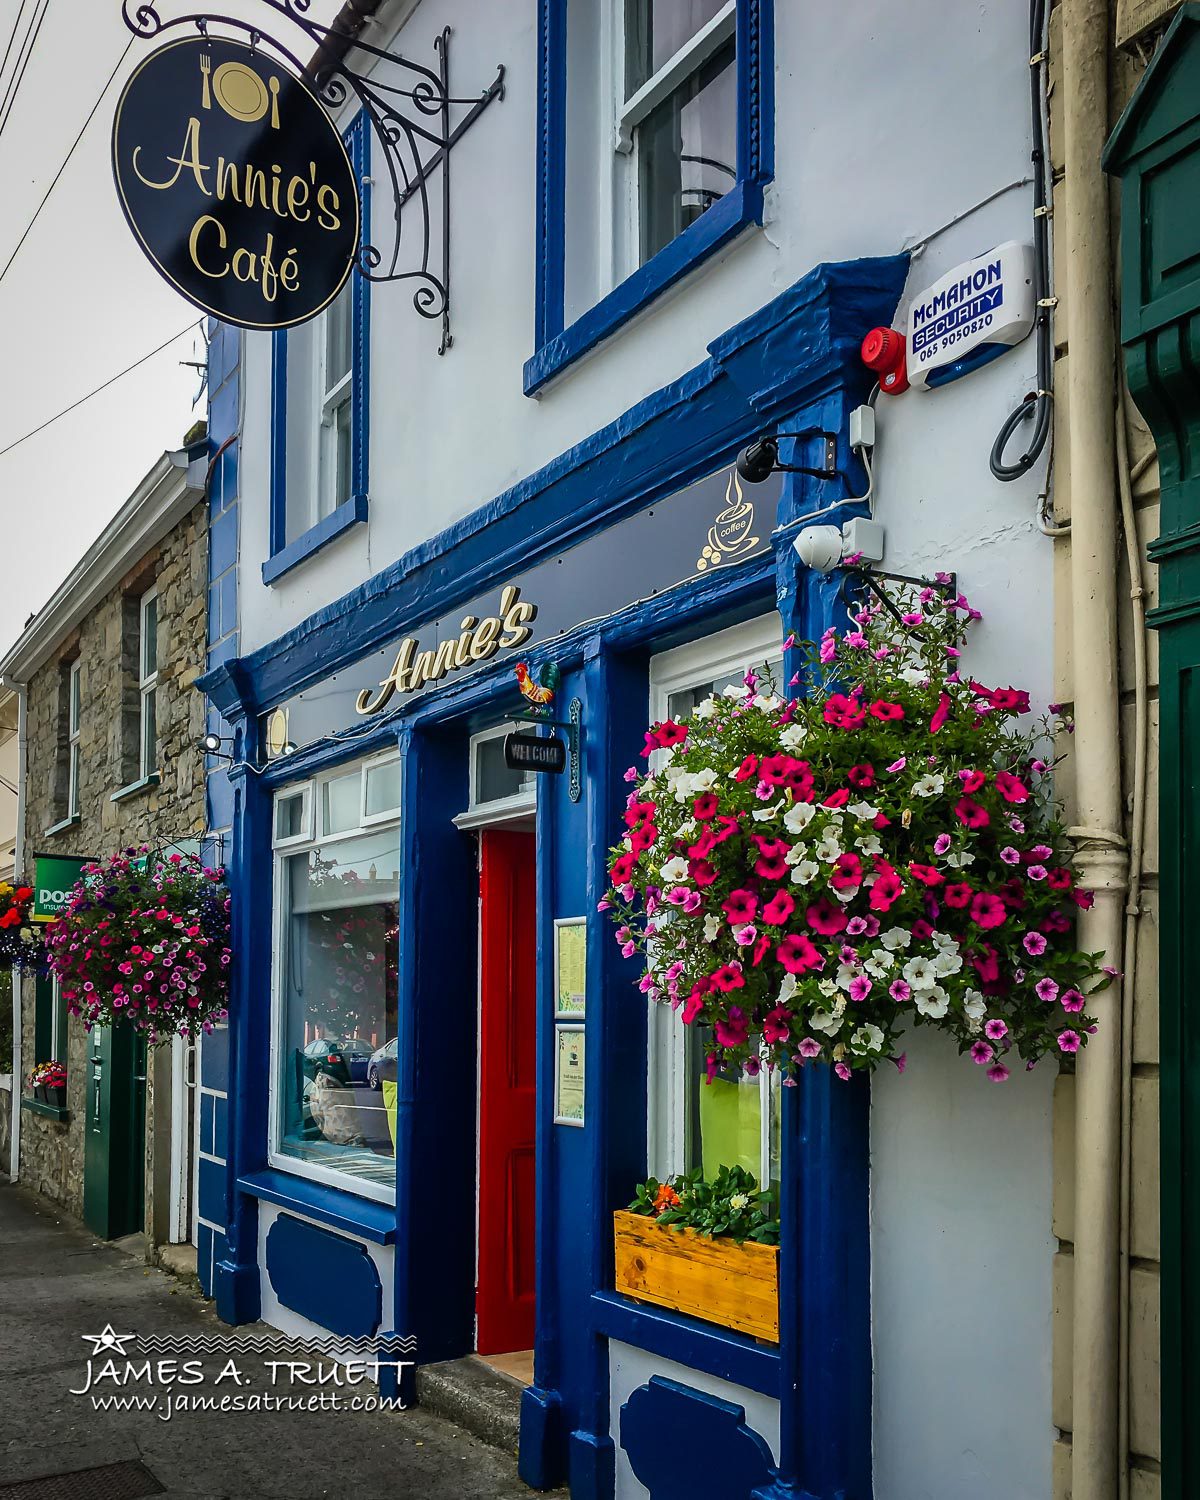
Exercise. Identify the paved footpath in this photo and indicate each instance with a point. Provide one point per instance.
(58, 1283)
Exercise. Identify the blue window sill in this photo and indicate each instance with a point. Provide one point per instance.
(142, 784)
(361, 1216)
(71, 822)
(687, 1341)
(741, 207)
(349, 513)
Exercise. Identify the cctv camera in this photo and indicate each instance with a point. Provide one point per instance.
(758, 461)
(819, 547)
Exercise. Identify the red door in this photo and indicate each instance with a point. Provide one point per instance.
(507, 1093)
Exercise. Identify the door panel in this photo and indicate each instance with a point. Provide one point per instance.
(114, 1143)
(507, 1092)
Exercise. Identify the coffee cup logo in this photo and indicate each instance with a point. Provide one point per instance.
(729, 536)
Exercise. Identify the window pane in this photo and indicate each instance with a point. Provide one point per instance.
(73, 793)
(339, 803)
(338, 985)
(337, 338)
(341, 427)
(726, 1114)
(493, 779)
(383, 788)
(74, 699)
(656, 29)
(289, 816)
(150, 637)
(149, 733)
(687, 152)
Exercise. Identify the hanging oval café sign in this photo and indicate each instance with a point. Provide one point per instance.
(235, 182)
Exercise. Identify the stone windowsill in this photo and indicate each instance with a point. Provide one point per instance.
(72, 822)
(142, 784)
(51, 1111)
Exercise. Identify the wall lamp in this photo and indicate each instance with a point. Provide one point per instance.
(213, 744)
(760, 459)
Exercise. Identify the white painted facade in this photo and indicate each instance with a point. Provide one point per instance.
(897, 127)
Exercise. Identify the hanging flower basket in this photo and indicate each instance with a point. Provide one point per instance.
(810, 876)
(48, 1083)
(20, 941)
(144, 941)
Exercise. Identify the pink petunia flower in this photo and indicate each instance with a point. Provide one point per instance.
(740, 906)
(940, 714)
(810, 1047)
(971, 813)
(982, 1054)
(823, 917)
(1010, 788)
(860, 988)
(1034, 944)
(942, 843)
(998, 1073)
(778, 909)
(987, 911)
(995, 1030)
(899, 990)
(1068, 1041)
(798, 955)
(842, 1071)
(1071, 1000)
(1046, 989)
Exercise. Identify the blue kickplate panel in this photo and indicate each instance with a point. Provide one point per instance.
(711, 1454)
(328, 1279)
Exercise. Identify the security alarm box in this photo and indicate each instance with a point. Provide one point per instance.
(971, 315)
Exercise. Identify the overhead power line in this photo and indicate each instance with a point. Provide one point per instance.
(10, 97)
(67, 158)
(12, 38)
(33, 432)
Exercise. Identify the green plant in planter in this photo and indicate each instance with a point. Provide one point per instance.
(731, 1204)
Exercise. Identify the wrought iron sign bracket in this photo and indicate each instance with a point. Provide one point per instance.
(574, 727)
(410, 118)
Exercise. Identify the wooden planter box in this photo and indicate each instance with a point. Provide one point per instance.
(718, 1280)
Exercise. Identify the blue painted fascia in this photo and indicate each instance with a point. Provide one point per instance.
(802, 342)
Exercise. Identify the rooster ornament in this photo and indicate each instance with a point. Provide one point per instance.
(540, 694)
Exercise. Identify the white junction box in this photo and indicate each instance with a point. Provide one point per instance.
(971, 315)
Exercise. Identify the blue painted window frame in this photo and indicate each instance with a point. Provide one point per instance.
(286, 555)
(556, 346)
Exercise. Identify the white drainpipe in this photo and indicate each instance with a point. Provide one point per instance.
(14, 1134)
(1091, 393)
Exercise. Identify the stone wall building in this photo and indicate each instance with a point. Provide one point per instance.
(106, 671)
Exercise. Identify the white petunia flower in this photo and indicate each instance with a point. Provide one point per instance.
(787, 989)
(896, 937)
(674, 870)
(932, 785)
(763, 814)
(735, 690)
(824, 1020)
(975, 1005)
(862, 810)
(768, 702)
(869, 845)
(793, 736)
(960, 861)
(845, 975)
(880, 963)
(827, 987)
(867, 1038)
(799, 816)
(805, 872)
(933, 1002)
(914, 676)
(920, 973)
(712, 929)
(947, 963)
(703, 781)
(705, 709)
(829, 849)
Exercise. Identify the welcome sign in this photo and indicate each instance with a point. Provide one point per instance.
(235, 182)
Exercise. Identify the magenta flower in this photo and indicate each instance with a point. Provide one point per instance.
(797, 954)
(971, 813)
(809, 1047)
(942, 843)
(778, 909)
(1068, 1041)
(898, 765)
(899, 990)
(1034, 944)
(728, 977)
(998, 1073)
(1046, 989)
(982, 1054)
(776, 1025)
(860, 988)
(732, 1031)
(987, 911)
(995, 1030)
(1036, 872)
(740, 906)
(842, 1071)
(1010, 788)
(940, 714)
(1071, 1000)
(823, 917)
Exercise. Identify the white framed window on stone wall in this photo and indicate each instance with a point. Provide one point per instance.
(335, 390)
(676, 117)
(74, 715)
(148, 683)
(734, 1120)
(334, 977)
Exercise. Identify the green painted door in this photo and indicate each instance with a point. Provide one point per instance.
(1155, 151)
(114, 1151)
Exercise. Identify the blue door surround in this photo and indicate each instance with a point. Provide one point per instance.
(793, 364)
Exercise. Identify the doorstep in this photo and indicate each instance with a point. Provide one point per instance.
(179, 1260)
(480, 1399)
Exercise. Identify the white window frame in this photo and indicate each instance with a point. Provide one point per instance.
(74, 718)
(57, 1041)
(723, 654)
(389, 815)
(304, 790)
(147, 685)
(286, 849)
(329, 400)
(499, 808)
(632, 111)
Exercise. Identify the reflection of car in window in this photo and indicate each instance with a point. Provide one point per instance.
(345, 1060)
(382, 1065)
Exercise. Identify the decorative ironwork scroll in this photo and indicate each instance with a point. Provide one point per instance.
(411, 117)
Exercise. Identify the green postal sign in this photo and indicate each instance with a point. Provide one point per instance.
(54, 878)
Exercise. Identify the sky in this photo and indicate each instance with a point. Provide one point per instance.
(79, 303)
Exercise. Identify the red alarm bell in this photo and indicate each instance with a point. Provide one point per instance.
(883, 350)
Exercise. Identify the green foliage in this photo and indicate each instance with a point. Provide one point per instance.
(731, 1204)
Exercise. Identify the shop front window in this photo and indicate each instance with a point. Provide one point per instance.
(732, 1121)
(336, 965)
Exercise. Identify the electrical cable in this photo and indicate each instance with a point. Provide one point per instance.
(112, 379)
(1037, 404)
(10, 97)
(66, 159)
(12, 38)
